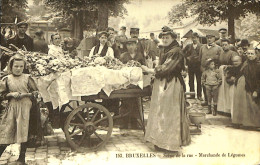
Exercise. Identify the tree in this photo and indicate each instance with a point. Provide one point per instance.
(250, 26)
(10, 9)
(87, 14)
(212, 11)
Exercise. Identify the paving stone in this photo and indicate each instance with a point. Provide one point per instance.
(30, 153)
(53, 147)
(41, 156)
(31, 149)
(41, 161)
(61, 139)
(42, 147)
(41, 150)
(65, 148)
(3, 161)
(52, 143)
(54, 151)
(52, 140)
(63, 144)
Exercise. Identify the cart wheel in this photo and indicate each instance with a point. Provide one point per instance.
(88, 127)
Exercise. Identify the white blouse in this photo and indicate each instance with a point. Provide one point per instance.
(55, 51)
(109, 53)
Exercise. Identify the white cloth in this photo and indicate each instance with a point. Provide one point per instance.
(55, 51)
(109, 53)
(225, 94)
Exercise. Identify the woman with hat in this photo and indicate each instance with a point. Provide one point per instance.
(167, 126)
(102, 49)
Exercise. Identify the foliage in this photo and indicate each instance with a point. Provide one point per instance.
(89, 7)
(250, 26)
(12, 8)
(210, 12)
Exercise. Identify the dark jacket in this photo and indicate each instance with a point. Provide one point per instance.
(192, 55)
(171, 63)
(27, 41)
(125, 57)
(39, 45)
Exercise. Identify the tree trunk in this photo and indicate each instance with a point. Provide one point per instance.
(231, 23)
(77, 28)
(102, 16)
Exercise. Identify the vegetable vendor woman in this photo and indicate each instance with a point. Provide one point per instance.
(167, 126)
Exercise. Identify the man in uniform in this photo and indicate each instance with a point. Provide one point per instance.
(209, 50)
(134, 33)
(222, 35)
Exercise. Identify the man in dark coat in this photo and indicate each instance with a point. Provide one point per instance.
(134, 33)
(191, 53)
(20, 40)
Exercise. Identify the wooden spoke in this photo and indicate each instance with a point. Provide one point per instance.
(95, 115)
(98, 136)
(104, 118)
(73, 129)
(76, 124)
(88, 118)
(77, 132)
(70, 107)
(82, 138)
(77, 103)
(81, 118)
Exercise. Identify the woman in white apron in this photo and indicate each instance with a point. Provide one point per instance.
(167, 126)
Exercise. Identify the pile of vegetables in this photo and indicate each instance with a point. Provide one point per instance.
(40, 64)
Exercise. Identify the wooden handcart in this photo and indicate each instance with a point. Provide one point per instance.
(89, 126)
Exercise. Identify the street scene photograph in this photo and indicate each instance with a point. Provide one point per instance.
(144, 82)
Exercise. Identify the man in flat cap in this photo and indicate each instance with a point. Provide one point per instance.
(209, 50)
(20, 40)
(134, 33)
(191, 53)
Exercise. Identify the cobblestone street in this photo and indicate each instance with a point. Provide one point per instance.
(217, 144)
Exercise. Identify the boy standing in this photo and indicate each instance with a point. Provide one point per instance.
(211, 81)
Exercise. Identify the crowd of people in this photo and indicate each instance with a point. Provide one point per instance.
(227, 75)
